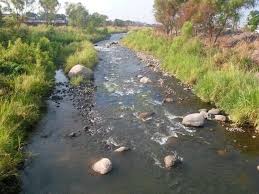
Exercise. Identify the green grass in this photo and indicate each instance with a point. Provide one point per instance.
(224, 78)
(84, 55)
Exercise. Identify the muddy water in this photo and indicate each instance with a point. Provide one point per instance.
(214, 160)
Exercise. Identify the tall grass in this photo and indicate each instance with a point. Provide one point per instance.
(85, 55)
(20, 107)
(225, 77)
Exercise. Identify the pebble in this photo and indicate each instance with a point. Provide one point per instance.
(122, 149)
(73, 134)
(258, 167)
(254, 137)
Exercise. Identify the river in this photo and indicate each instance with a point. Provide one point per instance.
(215, 160)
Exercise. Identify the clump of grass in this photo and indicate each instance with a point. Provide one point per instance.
(225, 77)
(76, 81)
(85, 55)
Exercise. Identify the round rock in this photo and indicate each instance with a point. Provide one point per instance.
(145, 80)
(194, 120)
(102, 166)
(220, 118)
(80, 70)
(122, 149)
(214, 111)
(170, 161)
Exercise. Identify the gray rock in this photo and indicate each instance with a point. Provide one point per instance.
(145, 80)
(145, 116)
(168, 100)
(122, 149)
(170, 161)
(73, 134)
(220, 118)
(203, 110)
(194, 120)
(80, 70)
(103, 166)
(214, 111)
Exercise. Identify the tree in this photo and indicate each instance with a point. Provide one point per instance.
(166, 13)
(77, 14)
(253, 20)
(50, 8)
(118, 22)
(98, 19)
(213, 16)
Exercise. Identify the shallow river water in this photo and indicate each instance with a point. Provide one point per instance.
(215, 160)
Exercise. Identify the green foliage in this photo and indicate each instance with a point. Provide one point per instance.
(77, 14)
(253, 20)
(226, 79)
(28, 74)
(76, 81)
(85, 55)
(50, 8)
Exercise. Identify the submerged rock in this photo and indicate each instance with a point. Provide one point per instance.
(214, 111)
(80, 70)
(220, 118)
(145, 80)
(194, 120)
(103, 166)
(145, 116)
(122, 149)
(73, 134)
(168, 100)
(170, 161)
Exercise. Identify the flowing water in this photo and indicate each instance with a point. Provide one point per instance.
(215, 160)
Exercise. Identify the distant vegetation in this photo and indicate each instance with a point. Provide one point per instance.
(189, 49)
(210, 17)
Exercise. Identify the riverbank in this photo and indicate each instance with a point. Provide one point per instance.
(29, 57)
(217, 76)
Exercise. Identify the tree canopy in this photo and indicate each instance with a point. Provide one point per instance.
(77, 14)
(50, 8)
(253, 20)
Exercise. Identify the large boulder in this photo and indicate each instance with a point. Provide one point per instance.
(194, 120)
(80, 70)
(102, 166)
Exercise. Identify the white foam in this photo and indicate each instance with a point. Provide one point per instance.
(161, 138)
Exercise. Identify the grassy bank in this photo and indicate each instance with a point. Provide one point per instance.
(29, 57)
(224, 77)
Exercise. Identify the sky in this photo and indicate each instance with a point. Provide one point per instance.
(136, 10)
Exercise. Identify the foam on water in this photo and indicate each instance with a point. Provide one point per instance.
(161, 138)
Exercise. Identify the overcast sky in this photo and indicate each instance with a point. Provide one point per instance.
(137, 10)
